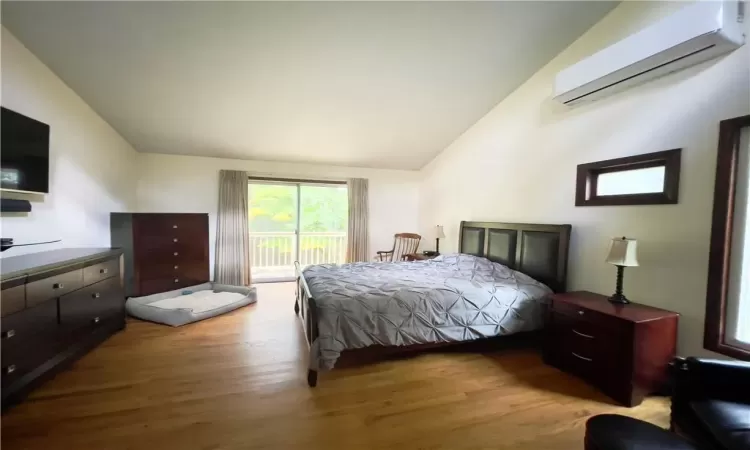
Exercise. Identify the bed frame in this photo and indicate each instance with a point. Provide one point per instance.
(538, 250)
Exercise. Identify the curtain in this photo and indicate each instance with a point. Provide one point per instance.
(232, 260)
(358, 237)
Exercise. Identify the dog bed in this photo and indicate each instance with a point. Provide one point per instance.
(190, 304)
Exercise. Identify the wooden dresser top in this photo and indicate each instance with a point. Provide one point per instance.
(22, 266)
(633, 312)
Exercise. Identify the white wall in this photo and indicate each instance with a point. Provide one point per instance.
(170, 183)
(92, 168)
(518, 164)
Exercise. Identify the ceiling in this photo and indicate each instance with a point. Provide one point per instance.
(368, 84)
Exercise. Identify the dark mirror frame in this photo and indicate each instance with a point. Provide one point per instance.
(588, 174)
(721, 239)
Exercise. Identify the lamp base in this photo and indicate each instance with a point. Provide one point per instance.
(619, 299)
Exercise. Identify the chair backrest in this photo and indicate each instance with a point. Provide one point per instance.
(404, 243)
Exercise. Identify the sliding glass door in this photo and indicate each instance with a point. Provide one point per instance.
(295, 221)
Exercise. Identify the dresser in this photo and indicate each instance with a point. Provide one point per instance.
(162, 251)
(56, 306)
(624, 350)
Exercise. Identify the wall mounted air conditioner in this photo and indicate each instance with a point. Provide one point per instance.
(694, 34)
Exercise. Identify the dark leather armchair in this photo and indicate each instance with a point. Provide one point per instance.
(711, 403)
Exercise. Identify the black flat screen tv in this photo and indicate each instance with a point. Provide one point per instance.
(24, 153)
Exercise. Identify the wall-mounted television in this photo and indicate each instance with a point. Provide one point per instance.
(24, 153)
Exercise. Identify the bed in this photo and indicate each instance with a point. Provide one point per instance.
(497, 285)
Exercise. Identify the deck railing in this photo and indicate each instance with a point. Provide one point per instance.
(277, 249)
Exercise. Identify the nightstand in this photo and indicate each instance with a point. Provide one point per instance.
(418, 257)
(624, 350)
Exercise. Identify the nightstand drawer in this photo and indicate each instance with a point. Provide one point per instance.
(578, 341)
(583, 315)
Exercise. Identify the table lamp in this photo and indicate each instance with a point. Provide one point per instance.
(622, 253)
(439, 234)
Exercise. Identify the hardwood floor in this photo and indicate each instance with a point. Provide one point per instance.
(238, 382)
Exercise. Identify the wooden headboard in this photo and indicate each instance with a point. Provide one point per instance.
(539, 251)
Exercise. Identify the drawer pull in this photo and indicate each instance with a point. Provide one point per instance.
(58, 286)
(580, 312)
(96, 295)
(174, 226)
(581, 357)
(174, 240)
(10, 369)
(9, 334)
(103, 271)
(176, 280)
(176, 253)
(96, 320)
(583, 335)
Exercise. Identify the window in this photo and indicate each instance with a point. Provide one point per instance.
(295, 220)
(652, 178)
(727, 326)
(636, 181)
(738, 300)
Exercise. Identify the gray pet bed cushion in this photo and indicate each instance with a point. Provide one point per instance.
(190, 304)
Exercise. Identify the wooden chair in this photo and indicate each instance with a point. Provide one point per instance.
(403, 244)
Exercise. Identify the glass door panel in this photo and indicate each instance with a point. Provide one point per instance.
(323, 224)
(273, 214)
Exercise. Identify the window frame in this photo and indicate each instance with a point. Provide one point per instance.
(722, 224)
(587, 177)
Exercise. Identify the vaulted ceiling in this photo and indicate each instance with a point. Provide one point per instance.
(371, 84)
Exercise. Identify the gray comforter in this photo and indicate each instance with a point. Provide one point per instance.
(448, 299)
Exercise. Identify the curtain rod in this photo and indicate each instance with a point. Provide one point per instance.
(296, 180)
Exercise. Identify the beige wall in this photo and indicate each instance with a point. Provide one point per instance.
(518, 164)
(170, 183)
(91, 167)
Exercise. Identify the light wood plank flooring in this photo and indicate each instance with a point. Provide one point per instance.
(238, 382)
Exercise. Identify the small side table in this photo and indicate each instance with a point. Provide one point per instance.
(418, 257)
(624, 350)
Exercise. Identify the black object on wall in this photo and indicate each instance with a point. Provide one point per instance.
(24, 163)
(13, 205)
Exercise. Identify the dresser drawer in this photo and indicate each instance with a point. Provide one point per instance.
(55, 286)
(28, 338)
(102, 271)
(91, 306)
(13, 300)
(149, 287)
(163, 250)
(179, 268)
(15, 368)
(583, 347)
(610, 323)
(171, 225)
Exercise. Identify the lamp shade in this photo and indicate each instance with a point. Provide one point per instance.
(439, 233)
(623, 252)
